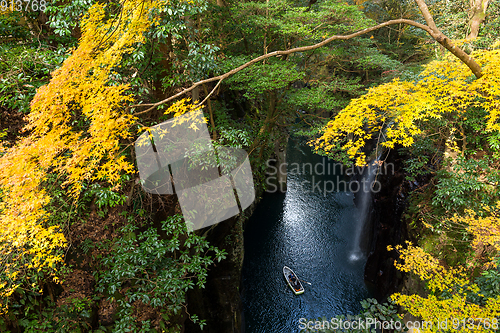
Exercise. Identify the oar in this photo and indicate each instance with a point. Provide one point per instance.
(309, 283)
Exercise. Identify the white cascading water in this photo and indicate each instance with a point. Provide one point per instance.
(364, 204)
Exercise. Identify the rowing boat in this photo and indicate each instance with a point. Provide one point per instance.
(293, 280)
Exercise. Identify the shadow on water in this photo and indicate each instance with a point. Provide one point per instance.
(311, 231)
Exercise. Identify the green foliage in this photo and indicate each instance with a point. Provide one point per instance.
(34, 313)
(372, 59)
(489, 284)
(146, 268)
(201, 60)
(452, 19)
(25, 68)
(260, 78)
(233, 133)
(194, 54)
(317, 83)
(293, 23)
(419, 161)
(64, 17)
(325, 95)
(470, 184)
(104, 198)
(10, 26)
(491, 26)
(64, 210)
(398, 41)
(232, 137)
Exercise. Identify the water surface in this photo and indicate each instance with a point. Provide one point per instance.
(313, 233)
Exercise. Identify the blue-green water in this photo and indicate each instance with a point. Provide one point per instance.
(313, 234)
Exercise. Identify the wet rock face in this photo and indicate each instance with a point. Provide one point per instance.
(219, 302)
(389, 228)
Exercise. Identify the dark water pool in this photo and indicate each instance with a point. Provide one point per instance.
(313, 233)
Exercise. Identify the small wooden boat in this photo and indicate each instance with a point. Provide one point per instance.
(293, 280)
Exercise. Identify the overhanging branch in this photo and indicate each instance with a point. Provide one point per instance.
(435, 33)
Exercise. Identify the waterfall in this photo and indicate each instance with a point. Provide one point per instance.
(364, 203)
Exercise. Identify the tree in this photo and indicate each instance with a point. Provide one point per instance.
(82, 122)
(454, 299)
(430, 28)
(446, 108)
(479, 8)
(464, 17)
(455, 114)
(395, 111)
(270, 87)
(76, 125)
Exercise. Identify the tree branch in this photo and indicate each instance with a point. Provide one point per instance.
(446, 42)
(434, 32)
(210, 94)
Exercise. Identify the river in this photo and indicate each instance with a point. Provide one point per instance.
(312, 232)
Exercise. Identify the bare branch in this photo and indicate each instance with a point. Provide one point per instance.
(211, 92)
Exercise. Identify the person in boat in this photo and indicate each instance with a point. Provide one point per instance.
(294, 281)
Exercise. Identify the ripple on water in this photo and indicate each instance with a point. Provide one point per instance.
(313, 234)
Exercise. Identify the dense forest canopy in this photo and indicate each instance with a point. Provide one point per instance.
(81, 80)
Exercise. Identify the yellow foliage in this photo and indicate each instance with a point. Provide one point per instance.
(181, 107)
(454, 309)
(396, 110)
(177, 109)
(80, 91)
(485, 230)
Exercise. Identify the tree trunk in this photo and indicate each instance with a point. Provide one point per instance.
(195, 95)
(267, 124)
(212, 122)
(478, 8)
(166, 51)
(446, 42)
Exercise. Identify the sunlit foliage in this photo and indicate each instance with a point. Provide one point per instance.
(450, 294)
(77, 124)
(394, 112)
(484, 228)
